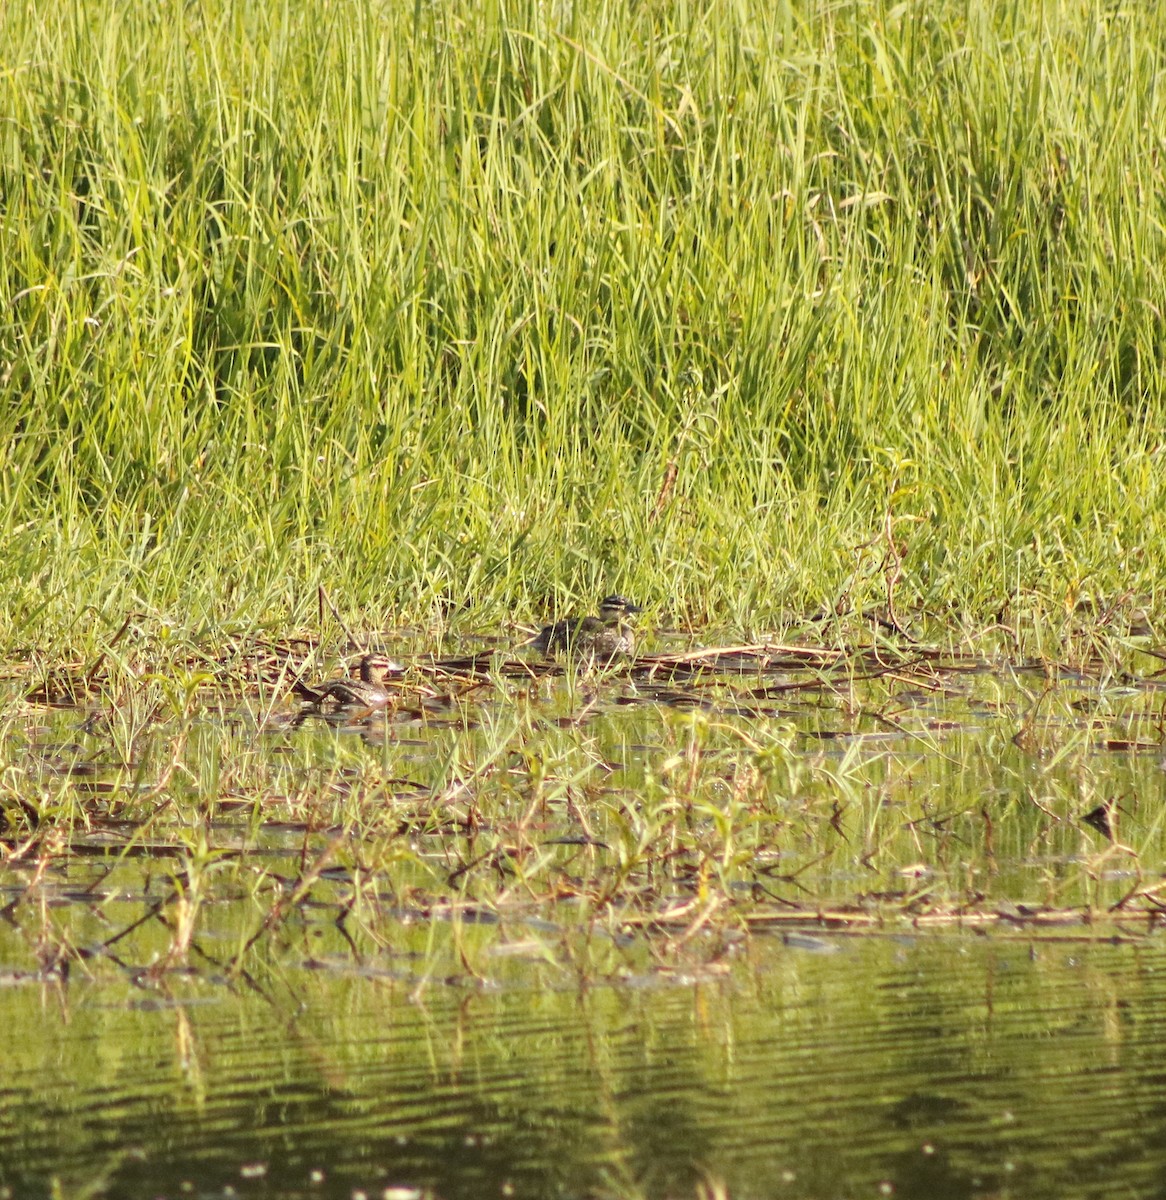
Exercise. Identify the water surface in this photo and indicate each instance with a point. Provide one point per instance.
(776, 936)
(954, 1066)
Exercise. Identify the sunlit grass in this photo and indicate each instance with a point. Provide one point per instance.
(468, 310)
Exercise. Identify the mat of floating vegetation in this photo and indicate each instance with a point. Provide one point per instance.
(678, 798)
(284, 665)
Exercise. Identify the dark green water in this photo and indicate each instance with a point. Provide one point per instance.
(949, 1066)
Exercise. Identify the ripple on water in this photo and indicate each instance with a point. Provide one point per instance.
(963, 1062)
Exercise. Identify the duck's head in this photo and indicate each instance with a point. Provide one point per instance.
(615, 607)
(376, 668)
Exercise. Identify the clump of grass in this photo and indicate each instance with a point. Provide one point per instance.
(467, 311)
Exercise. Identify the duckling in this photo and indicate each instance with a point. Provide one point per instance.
(603, 636)
(369, 691)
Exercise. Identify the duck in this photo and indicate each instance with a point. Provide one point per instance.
(368, 691)
(604, 636)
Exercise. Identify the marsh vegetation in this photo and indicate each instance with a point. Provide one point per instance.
(469, 311)
(609, 908)
(830, 333)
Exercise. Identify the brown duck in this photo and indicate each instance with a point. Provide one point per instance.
(604, 636)
(369, 691)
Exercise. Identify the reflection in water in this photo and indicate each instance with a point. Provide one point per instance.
(476, 988)
(955, 1067)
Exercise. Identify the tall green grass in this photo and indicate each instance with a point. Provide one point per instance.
(472, 307)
